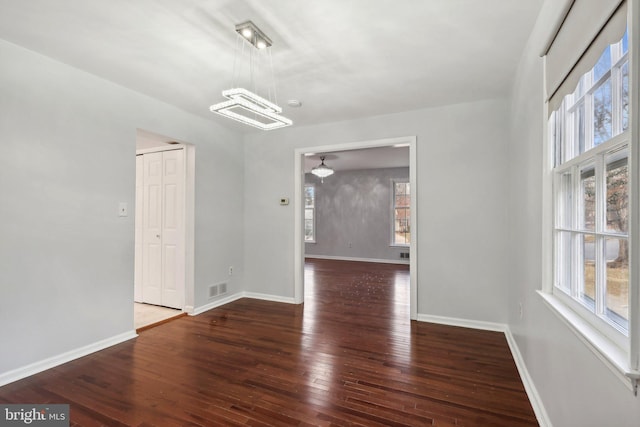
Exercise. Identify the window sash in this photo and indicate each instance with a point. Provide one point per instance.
(580, 250)
(401, 213)
(310, 214)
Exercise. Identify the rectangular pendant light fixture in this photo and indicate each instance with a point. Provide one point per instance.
(251, 109)
(243, 105)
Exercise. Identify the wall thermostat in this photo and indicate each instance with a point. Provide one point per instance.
(284, 201)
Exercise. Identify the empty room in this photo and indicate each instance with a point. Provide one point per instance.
(331, 213)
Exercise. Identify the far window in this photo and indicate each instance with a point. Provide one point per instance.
(401, 214)
(309, 213)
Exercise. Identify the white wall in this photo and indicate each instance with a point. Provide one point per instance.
(68, 158)
(462, 195)
(576, 388)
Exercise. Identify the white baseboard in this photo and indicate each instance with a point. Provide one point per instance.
(346, 258)
(465, 323)
(268, 297)
(527, 381)
(51, 362)
(214, 304)
(222, 301)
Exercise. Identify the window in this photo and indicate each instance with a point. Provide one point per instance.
(401, 233)
(310, 213)
(590, 186)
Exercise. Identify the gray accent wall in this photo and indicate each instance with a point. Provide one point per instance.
(353, 215)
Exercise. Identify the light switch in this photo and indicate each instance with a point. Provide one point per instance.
(284, 201)
(122, 209)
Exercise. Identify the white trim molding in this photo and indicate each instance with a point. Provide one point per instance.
(231, 298)
(214, 304)
(52, 362)
(298, 244)
(614, 358)
(464, 323)
(527, 381)
(532, 393)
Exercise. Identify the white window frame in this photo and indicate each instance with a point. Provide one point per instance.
(313, 209)
(596, 159)
(393, 213)
(619, 352)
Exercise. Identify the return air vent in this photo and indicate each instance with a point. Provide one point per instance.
(217, 289)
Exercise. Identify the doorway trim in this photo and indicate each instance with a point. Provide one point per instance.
(298, 291)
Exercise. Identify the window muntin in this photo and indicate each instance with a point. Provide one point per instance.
(401, 233)
(309, 213)
(591, 193)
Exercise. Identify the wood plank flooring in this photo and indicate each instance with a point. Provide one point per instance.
(349, 357)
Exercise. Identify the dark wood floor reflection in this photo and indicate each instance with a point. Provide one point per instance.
(349, 357)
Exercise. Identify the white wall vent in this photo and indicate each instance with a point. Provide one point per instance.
(217, 289)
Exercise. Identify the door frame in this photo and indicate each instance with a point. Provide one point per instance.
(411, 142)
(188, 225)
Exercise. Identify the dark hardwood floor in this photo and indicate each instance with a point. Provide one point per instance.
(350, 357)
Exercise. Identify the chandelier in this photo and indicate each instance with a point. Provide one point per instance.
(322, 171)
(247, 106)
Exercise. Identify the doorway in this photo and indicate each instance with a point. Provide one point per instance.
(164, 221)
(299, 204)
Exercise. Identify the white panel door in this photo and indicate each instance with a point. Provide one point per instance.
(137, 280)
(172, 229)
(152, 229)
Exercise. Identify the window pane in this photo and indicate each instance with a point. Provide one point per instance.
(401, 213)
(602, 113)
(625, 96)
(309, 195)
(308, 214)
(402, 225)
(618, 196)
(617, 297)
(588, 283)
(579, 126)
(555, 123)
(403, 200)
(308, 230)
(603, 65)
(588, 199)
(563, 261)
(565, 201)
(625, 42)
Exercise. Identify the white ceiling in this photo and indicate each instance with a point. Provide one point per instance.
(342, 59)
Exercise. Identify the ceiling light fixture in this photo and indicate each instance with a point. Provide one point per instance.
(322, 171)
(244, 105)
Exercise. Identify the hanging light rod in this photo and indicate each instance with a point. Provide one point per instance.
(251, 33)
